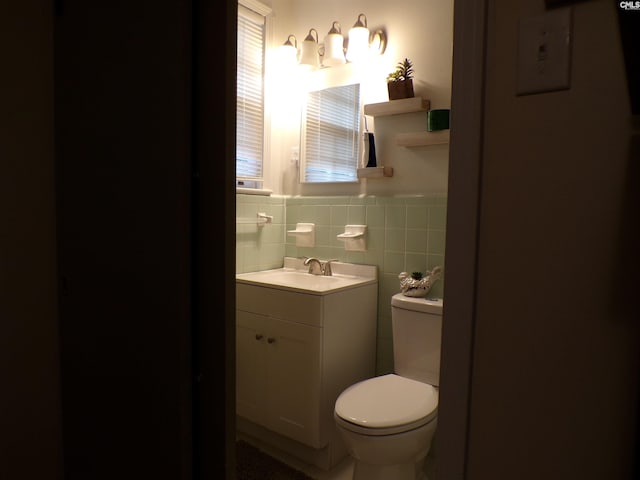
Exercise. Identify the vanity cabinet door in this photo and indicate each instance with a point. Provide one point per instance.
(293, 386)
(251, 367)
(278, 375)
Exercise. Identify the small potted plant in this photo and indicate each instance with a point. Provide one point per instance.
(416, 284)
(400, 81)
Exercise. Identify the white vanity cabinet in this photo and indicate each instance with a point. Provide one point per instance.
(296, 352)
(278, 372)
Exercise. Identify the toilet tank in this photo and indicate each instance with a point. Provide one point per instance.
(417, 333)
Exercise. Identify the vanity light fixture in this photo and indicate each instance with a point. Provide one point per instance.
(334, 47)
(290, 51)
(358, 46)
(362, 43)
(310, 56)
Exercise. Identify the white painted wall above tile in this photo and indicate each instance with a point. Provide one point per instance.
(416, 29)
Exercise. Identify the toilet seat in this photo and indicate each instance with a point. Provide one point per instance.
(386, 405)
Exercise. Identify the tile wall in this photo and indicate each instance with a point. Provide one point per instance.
(404, 234)
(259, 247)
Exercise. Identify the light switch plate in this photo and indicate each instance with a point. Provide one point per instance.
(544, 52)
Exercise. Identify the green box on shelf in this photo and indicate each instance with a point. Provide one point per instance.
(438, 119)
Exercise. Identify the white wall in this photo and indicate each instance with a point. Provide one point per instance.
(419, 30)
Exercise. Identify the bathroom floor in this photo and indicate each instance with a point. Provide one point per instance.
(342, 471)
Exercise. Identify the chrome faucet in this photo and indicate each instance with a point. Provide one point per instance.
(316, 267)
(326, 267)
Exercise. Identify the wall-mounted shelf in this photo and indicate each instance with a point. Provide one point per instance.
(260, 220)
(375, 172)
(396, 107)
(420, 139)
(354, 238)
(412, 139)
(305, 234)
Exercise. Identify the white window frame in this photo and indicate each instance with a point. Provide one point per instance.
(259, 13)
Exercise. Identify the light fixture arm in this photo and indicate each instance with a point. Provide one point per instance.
(288, 42)
(310, 36)
(335, 30)
(359, 22)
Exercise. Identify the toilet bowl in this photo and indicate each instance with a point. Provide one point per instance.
(388, 422)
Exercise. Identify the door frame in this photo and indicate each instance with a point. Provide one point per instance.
(463, 220)
(463, 217)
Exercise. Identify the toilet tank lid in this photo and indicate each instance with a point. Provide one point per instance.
(418, 304)
(387, 401)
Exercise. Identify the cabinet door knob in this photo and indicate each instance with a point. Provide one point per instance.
(271, 340)
(259, 336)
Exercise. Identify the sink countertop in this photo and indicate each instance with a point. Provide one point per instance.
(294, 276)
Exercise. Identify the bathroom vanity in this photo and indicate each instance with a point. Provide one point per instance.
(301, 339)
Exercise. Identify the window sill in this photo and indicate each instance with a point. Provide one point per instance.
(254, 191)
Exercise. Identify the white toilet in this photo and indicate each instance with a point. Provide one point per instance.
(388, 422)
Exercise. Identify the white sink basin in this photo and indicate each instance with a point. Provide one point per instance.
(294, 276)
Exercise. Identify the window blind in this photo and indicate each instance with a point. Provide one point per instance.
(250, 102)
(331, 135)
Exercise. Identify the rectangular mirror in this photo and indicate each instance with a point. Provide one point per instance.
(330, 135)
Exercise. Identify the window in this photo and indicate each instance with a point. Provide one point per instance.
(330, 135)
(250, 93)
